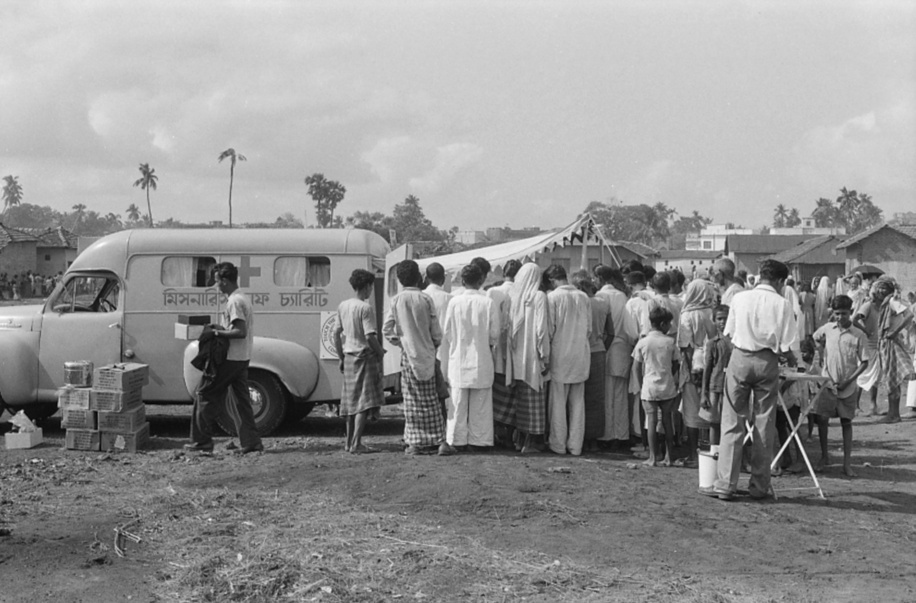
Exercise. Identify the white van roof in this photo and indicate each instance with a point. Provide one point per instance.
(112, 251)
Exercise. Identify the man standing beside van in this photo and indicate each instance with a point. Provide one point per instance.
(236, 326)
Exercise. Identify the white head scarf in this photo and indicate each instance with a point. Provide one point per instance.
(523, 293)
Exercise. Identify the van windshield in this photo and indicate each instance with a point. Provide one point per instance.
(86, 293)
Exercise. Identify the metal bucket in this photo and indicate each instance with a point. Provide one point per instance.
(78, 373)
(707, 465)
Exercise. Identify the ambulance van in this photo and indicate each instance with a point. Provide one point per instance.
(127, 298)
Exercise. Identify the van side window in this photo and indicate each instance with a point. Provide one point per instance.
(302, 271)
(187, 271)
(87, 293)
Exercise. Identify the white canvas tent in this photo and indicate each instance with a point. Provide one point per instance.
(584, 231)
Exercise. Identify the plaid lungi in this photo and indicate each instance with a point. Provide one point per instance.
(594, 397)
(530, 408)
(424, 423)
(503, 407)
(896, 363)
(362, 384)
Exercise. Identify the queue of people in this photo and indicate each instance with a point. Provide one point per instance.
(26, 285)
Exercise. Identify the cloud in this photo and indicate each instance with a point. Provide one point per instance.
(873, 151)
(452, 161)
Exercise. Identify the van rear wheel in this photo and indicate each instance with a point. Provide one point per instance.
(268, 402)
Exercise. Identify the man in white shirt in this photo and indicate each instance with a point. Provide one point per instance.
(435, 280)
(569, 320)
(237, 326)
(619, 357)
(472, 330)
(724, 275)
(761, 324)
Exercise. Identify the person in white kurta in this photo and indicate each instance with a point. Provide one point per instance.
(569, 324)
(638, 307)
(619, 356)
(435, 278)
(472, 329)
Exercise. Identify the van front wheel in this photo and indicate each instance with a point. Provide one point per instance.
(268, 402)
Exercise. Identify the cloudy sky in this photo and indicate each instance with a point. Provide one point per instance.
(492, 113)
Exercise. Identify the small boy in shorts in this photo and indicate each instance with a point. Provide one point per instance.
(360, 353)
(844, 353)
(718, 351)
(655, 361)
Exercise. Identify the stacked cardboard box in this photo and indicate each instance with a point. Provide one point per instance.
(117, 398)
(77, 418)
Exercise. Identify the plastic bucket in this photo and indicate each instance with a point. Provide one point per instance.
(707, 461)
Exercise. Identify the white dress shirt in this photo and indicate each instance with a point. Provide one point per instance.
(762, 319)
(569, 324)
(472, 330)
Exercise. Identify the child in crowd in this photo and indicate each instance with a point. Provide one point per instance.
(360, 353)
(844, 353)
(718, 352)
(655, 361)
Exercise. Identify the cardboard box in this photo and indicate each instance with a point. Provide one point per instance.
(125, 442)
(123, 422)
(124, 376)
(19, 440)
(82, 439)
(194, 319)
(77, 418)
(73, 397)
(112, 400)
(188, 332)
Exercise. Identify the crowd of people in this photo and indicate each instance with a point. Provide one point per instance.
(628, 360)
(27, 285)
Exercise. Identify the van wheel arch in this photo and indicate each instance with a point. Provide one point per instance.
(269, 401)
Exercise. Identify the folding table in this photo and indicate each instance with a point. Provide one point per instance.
(804, 378)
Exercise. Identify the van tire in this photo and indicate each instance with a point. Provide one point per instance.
(268, 401)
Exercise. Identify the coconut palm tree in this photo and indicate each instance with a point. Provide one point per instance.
(12, 194)
(233, 156)
(133, 212)
(780, 216)
(79, 210)
(147, 182)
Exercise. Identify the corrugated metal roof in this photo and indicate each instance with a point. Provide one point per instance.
(687, 254)
(820, 250)
(905, 229)
(769, 244)
(638, 248)
(53, 237)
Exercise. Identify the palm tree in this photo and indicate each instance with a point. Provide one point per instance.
(780, 216)
(133, 212)
(12, 194)
(79, 210)
(147, 182)
(231, 154)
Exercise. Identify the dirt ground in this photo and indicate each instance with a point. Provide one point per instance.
(305, 521)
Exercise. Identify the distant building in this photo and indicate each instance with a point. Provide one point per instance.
(890, 246)
(712, 238)
(18, 251)
(815, 257)
(470, 237)
(688, 261)
(500, 235)
(746, 251)
(55, 251)
(628, 251)
(808, 227)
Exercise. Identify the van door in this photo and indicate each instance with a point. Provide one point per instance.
(392, 287)
(81, 321)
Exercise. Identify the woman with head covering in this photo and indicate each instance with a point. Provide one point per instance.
(895, 362)
(529, 351)
(694, 329)
(822, 299)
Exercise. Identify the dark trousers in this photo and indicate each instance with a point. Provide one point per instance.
(213, 396)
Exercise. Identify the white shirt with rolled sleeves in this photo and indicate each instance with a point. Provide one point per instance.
(238, 307)
(569, 324)
(762, 319)
(472, 329)
(638, 307)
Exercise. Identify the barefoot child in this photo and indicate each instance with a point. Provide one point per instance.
(655, 361)
(844, 352)
(360, 354)
(718, 351)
